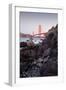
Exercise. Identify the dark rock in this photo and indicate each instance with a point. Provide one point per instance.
(41, 59)
(35, 71)
(23, 44)
(49, 68)
(47, 52)
(46, 59)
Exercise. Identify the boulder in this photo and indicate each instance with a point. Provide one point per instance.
(46, 53)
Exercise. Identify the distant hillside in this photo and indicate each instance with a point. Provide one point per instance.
(25, 35)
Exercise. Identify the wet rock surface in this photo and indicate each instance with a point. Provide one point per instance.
(41, 59)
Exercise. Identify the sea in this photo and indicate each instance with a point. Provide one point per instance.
(35, 39)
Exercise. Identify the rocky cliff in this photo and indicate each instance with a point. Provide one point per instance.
(41, 59)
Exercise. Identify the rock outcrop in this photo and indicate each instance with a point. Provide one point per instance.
(41, 59)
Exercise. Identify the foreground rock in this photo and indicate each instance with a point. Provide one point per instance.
(42, 59)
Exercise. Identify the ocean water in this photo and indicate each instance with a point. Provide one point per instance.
(35, 40)
(24, 39)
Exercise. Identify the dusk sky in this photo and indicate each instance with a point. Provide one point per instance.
(29, 21)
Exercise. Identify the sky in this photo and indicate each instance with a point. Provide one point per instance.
(29, 21)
